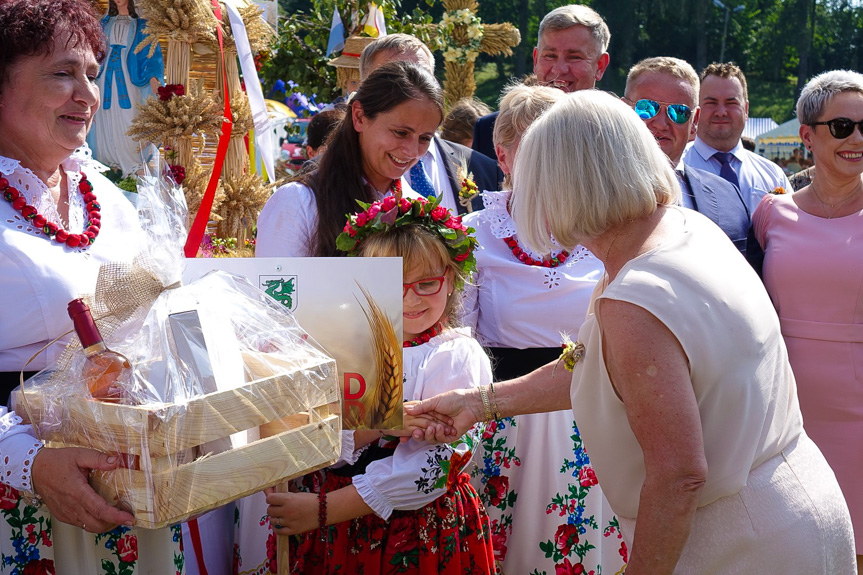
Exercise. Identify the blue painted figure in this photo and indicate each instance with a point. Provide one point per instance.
(125, 80)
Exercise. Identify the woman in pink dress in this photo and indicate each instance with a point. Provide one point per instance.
(813, 271)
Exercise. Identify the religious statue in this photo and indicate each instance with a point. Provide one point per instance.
(125, 80)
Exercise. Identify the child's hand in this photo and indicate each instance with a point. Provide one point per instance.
(422, 420)
(292, 513)
(419, 423)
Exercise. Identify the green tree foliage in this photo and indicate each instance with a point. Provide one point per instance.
(299, 56)
(780, 44)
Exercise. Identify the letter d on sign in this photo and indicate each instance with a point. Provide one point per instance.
(361, 384)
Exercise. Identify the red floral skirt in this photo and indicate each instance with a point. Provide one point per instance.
(450, 535)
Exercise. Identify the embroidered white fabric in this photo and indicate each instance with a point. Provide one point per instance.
(38, 195)
(8, 421)
(497, 214)
(502, 226)
(17, 450)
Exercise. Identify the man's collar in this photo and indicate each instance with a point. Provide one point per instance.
(706, 151)
(433, 150)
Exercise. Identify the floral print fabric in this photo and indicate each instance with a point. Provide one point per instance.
(574, 531)
(450, 536)
(27, 547)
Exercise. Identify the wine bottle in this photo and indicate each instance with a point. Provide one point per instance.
(107, 373)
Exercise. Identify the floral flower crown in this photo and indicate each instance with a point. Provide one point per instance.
(392, 212)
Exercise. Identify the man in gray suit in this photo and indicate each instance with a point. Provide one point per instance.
(664, 92)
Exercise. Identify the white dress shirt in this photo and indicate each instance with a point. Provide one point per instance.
(758, 176)
(435, 169)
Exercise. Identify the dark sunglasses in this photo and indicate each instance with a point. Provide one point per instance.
(677, 113)
(840, 128)
(425, 286)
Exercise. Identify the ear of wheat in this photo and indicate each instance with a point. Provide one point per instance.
(384, 404)
(180, 20)
(194, 113)
(259, 33)
(245, 196)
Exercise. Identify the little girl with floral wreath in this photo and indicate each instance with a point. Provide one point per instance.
(402, 507)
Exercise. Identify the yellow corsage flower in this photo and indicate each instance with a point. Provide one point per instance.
(572, 352)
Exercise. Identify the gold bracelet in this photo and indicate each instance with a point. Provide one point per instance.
(483, 393)
(494, 410)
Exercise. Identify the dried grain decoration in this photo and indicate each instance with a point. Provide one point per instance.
(161, 121)
(245, 196)
(197, 178)
(384, 404)
(186, 21)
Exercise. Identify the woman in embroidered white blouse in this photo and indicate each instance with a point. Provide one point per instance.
(49, 58)
(515, 308)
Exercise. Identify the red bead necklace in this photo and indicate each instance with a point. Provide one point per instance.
(52, 230)
(522, 256)
(425, 336)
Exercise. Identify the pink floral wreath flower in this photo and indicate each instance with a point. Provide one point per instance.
(391, 213)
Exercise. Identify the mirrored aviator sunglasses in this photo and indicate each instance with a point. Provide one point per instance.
(677, 113)
(841, 128)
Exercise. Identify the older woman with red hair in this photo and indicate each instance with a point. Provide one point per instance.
(51, 520)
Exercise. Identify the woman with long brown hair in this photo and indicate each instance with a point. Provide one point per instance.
(390, 123)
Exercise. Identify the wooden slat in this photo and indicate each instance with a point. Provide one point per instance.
(171, 428)
(210, 482)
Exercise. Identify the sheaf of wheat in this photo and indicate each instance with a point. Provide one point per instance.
(162, 120)
(241, 114)
(384, 404)
(180, 20)
(245, 196)
(260, 33)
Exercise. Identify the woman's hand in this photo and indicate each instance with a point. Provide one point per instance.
(292, 513)
(60, 478)
(454, 413)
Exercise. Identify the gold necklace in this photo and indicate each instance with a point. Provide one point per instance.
(833, 207)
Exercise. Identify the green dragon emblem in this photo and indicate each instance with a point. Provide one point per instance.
(281, 290)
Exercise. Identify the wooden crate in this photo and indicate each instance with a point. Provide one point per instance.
(300, 433)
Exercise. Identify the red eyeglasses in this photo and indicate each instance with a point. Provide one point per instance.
(425, 286)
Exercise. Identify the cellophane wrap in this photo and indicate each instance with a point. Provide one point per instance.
(227, 393)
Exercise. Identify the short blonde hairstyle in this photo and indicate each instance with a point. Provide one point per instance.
(421, 250)
(674, 67)
(821, 89)
(587, 165)
(519, 107)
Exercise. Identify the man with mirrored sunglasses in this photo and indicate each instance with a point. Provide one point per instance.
(717, 147)
(664, 93)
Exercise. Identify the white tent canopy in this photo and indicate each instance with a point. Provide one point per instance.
(757, 126)
(781, 141)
